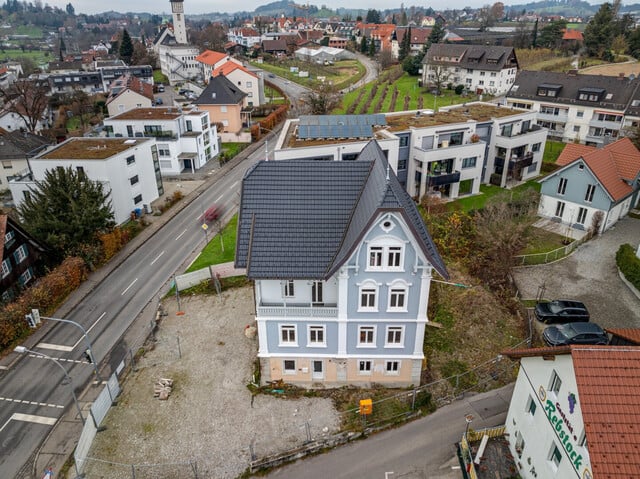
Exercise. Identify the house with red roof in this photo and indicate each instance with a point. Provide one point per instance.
(574, 412)
(245, 80)
(210, 60)
(600, 183)
(128, 92)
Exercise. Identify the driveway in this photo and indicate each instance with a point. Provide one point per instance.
(590, 275)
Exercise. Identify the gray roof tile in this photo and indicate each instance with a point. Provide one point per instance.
(304, 218)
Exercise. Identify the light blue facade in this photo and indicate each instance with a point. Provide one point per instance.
(302, 336)
(578, 177)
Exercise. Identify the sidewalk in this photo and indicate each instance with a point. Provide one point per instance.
(58, 446)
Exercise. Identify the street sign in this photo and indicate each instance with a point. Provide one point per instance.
(30, 321)
(36, 315)
(205, 226)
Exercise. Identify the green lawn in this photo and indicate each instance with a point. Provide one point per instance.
(32, 31)
(476, 202)
(213, 253)
(37, 56)
(552, 150)
(159, 77)
(543, 241)
(232, 149)
(341, 74)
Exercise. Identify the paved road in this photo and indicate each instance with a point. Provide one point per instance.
(32, 393)
(422, 449)
(590, 275)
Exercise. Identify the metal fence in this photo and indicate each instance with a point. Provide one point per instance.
(550, 256)
(402, 407)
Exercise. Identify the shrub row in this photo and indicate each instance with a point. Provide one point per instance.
(352, 108)
(381, 99)
(270, 122)
(46, 295)
(629, 264)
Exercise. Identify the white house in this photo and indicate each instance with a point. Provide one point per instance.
(447, 154)
(574, 412)
(186, 139)
(481, 69)
(210, 60)
(128, 168)
(128, 92)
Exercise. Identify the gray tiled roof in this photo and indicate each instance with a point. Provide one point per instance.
(475, 57)
(304, 218)
(20, 144)
(220, 91)
(618, 92)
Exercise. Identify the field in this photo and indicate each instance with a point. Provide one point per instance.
(366, 100)
(40, 57)
(341, 74)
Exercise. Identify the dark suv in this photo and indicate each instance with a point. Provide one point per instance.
(575, 333)
(562, 311)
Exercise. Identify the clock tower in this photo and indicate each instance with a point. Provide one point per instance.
(179, 27)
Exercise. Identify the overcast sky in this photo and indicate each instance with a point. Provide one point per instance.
(210, 6)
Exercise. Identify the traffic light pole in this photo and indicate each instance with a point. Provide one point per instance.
(86, 338)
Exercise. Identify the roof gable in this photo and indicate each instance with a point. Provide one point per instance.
(220, 91)
(303, 218)
(209, 57)
(230, 67)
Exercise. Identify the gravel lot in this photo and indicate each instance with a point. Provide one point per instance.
(590, 274)
(210, 417)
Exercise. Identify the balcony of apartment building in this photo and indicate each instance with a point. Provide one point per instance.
(606, 121)
(553, 114)
(554, 130)
(518, 159)
(513, 139)
(598, 136)
(436, 178)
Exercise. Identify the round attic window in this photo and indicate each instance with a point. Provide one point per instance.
(387, 225)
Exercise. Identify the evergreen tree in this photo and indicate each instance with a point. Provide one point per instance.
(364, 46)
(63, 49)
(436, 35)
(405, 45)
(126, 47)
(67, 210)
(600, 31)
(373, 16)
(372, 48)
(534, 35)
(551, 34)
(70, 10)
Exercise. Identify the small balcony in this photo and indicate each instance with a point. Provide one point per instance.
(284, 310)
(441, 179)
(521, 161)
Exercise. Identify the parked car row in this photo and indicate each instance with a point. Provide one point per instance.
(574, 327)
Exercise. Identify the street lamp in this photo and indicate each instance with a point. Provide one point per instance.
(469, 419)
(92, 357)
(22, 350)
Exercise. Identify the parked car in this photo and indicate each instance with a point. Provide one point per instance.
(186, 92)
(575, 333)
(158, 101)
(561, 311)
(271, 75)
(161, 88)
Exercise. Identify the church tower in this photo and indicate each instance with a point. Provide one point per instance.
(179, 27)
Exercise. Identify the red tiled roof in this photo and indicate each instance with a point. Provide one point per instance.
(611, 165)
(229, 67)
(630, 334)
(572, 34)
(608, 380)
(209, 57)
(3, 231)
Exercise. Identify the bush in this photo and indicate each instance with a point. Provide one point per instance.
(459, 89)
(629, 264)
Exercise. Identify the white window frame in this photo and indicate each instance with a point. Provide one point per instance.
(315, 328)
(559, 213)
(21, 254)
(365, 367)
(288, 289)
(368, 287)
(384, 252)
(531, 407)
(367, 328)
(591, 191)
(555, 457)
(26, 276)
(289, 342)
(286, 370)
(6, 267)
(582, 215)
(398, 288)
(396, 330)
(562, 186)
(392, 367)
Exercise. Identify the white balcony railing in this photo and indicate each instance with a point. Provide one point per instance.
(298, 311)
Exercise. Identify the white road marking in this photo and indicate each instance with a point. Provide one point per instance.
(233, 185)
(127, 288)
(33, 418)
(55, 347)
(218, 198)
(16, 416)
(180, 235)
(158, 257)
(4, 367)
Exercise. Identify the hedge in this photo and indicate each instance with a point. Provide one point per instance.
(629, 264)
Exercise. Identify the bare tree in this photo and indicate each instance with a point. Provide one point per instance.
(438, 76)
(28, 99)
(322, 100)
(385, 57)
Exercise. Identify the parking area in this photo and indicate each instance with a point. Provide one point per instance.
(590, 275)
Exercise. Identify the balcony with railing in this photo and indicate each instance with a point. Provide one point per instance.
(297, 310)
(441, 179)
(609, 124)
(519, 161)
